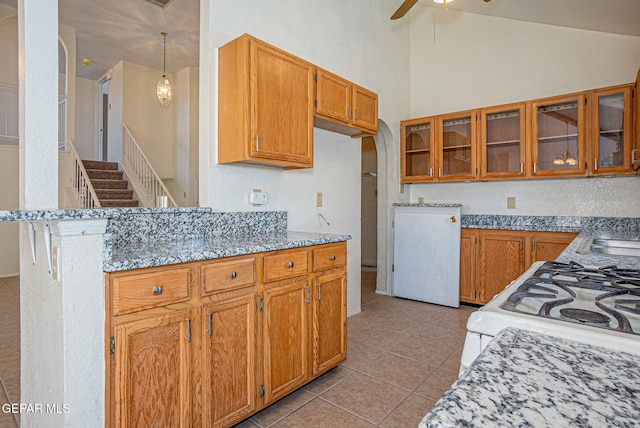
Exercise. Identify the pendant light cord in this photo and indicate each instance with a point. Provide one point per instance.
(164, 54)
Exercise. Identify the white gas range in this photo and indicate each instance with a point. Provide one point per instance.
(593, 305)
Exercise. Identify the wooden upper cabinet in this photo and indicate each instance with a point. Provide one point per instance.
(611, 139)
(365, 109)
(502, 141)
(558, 136)
(417, 150)
(343, 106)
(456, 145)
(265, 105)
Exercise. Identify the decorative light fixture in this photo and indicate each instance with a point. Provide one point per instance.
(443, 2)
(163, 88)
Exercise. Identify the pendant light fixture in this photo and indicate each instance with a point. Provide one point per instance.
(443, 2)
(163, 88)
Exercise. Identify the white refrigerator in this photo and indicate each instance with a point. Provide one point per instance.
(426, 254)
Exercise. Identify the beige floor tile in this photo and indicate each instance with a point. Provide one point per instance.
(245, 424)
(396, 370)
(366, 397)
(328, 380)
(319, 413)
(12, 386)
(6, 419)
(437, 384)
(359, 354)
(282, 408)
(453, 362)
(378, 337)
(409, 413)
(424, 350)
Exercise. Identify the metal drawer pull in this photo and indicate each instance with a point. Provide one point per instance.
(319, 291)
(157, 289)
(307, 299)
(210, 317)
(233, 275)
(332, 257)
(188, 320)
(290, 264)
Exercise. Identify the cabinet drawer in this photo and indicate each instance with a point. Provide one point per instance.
(328, 257)
(227, 276)
(285, 265)
(132, 293)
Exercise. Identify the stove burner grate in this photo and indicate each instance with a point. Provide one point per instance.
(584, 316)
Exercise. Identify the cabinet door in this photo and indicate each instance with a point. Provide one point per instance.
(282, 106)
(635, 152)
(548, 245)
(286, 338)
(611, 138)
(153, 371)
(457, 146)
(502, 141)
(333, 95)
(329, 296)
(417, 151)
(502, 259)
(229, 361)
(365, 109)
(558, 136)
(469, 281)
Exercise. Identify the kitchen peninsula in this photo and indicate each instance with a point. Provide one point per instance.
(228, 308)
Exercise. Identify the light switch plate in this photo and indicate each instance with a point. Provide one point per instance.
(55, 263)
(318, 199)
(257, 198)
(511, 203)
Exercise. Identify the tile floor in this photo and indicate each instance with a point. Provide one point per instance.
(402, 356)
(9, 347)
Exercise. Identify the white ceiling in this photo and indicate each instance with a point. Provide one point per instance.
(111, 30)
(610, 16)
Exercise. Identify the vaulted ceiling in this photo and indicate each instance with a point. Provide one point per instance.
(111, 30)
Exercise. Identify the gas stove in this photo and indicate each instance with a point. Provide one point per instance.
(594, 305)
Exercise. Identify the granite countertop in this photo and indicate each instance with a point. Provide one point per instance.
(164, 252)
(529, 379)
(93, 213)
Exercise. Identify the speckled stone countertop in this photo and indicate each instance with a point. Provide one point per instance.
(133, 255)
(528, 379)
(436, 205)
(41, 215)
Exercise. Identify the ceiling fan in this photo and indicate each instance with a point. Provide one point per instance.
(408, 4)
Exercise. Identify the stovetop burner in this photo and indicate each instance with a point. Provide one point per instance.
(605, 297)
(584, 316)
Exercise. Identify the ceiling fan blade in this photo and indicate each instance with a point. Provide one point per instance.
(404, 8)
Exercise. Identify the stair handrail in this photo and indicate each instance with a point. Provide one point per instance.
(81, 183)
(140, 171)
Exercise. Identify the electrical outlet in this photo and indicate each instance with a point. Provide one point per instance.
(55, 263)
(420, 200)
(318, 199)
(257, 198)
(511, 203)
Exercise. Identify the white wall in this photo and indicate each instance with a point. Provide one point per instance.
(478, 61)
(152, 125)
(9, 200)
(114, 126)
(353, 39)
(85, 120)
(185, 99)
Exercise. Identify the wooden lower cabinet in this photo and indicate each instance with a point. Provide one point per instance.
(231, 340)
(329, 294)
(285, 335)
(153, 372)
(491, 259)
(229, 361)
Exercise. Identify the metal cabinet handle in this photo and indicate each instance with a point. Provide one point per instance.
(521, 245)
(233, 275)
(307, 299)
(521, 168)
(188, 320)
(157, 289)
(535, 167)
(290, 264)
(350, 112)
(533, 244)
(319, 291)
(430, 172)
(257, 143)
(595, 164)
(633, 156)
(332, 258)
(210, 319)
(439, 172)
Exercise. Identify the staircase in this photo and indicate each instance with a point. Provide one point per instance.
(112, 190)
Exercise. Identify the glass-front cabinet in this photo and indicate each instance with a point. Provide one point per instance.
(502, 141)
(558, 136)
(610, 138)
(417, 151)
(457, 146)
